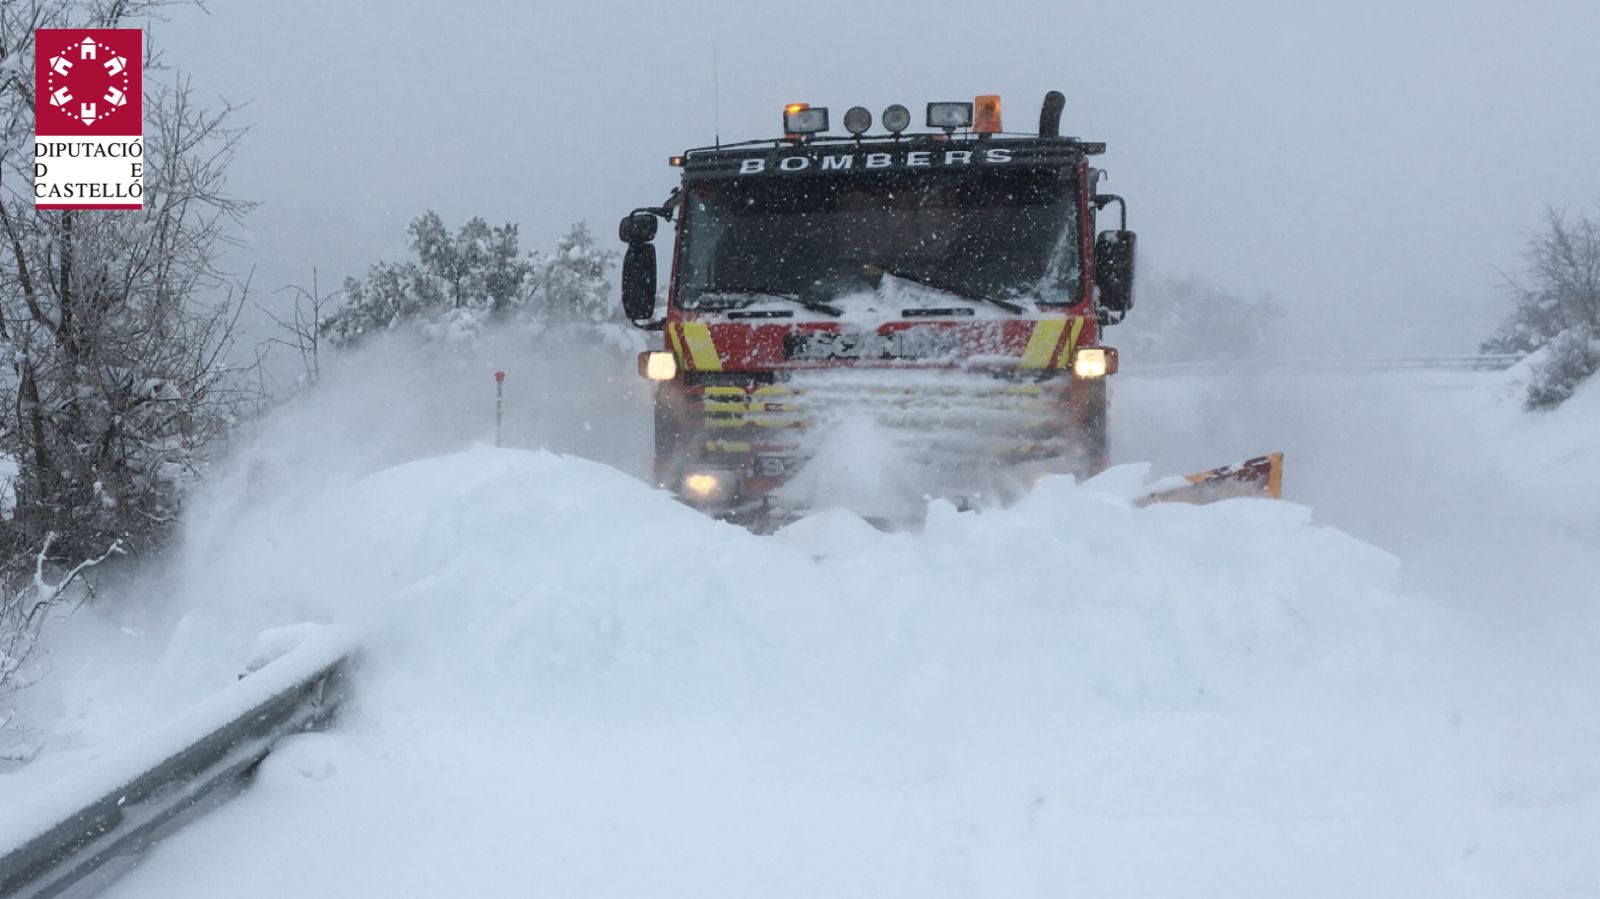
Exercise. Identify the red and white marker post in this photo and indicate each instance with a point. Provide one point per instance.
(499, 404)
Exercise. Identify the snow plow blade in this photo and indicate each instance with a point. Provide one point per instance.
(1261, 476)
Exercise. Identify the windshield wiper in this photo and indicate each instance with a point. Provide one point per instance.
(813, 305)
(1007, 305)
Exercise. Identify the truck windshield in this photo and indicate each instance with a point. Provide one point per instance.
(997, 233)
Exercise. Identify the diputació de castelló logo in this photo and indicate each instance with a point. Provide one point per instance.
(89, 118)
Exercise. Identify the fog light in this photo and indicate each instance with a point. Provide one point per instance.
(1094, 362)
(896, 118)
(658, 366)
(857, 120)
(707, 486)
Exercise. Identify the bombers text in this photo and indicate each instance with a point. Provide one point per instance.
(844, 162)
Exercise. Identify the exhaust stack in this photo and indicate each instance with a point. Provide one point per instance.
(1050, 115)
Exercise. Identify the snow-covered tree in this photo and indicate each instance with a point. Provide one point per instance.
(1557, 369)
(456, 282)
(477, 266)
(1557, 311)
(26, 600)
(112, 338)
(460, 282)
(574, 282)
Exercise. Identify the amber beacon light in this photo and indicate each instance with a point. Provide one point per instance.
(986, 114)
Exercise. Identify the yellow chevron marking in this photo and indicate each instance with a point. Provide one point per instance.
(677, 345)
(1072, 342)
(727, 446)
(1043, 342)
(701, 350)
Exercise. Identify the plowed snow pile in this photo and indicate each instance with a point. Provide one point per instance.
(576, 687)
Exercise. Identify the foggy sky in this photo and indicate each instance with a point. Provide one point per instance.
(1371, 165)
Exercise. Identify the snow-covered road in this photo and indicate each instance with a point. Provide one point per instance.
(576, 687)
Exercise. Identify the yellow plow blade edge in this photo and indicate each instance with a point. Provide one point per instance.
(1261, 476)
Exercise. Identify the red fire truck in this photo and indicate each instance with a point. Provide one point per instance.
(945, 290)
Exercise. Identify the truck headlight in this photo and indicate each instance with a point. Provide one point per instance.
(708, 486)
(658, 366)
(1094, 362)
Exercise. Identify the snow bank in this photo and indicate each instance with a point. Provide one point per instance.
(576, 686)
(1555, 455)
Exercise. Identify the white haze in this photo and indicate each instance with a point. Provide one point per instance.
(1370, 164)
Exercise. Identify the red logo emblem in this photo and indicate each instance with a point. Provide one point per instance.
(88, 151)
(88, 81)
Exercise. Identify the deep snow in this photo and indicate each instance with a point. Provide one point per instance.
(576, 686)
(580, 687)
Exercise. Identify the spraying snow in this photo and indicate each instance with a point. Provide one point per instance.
(568, 663)
(576, 686)
(579, 687)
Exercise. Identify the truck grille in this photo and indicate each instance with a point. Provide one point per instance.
(925, 414)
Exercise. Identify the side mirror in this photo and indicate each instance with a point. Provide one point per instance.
(639, 278)
(637, 227)
(1113, 269)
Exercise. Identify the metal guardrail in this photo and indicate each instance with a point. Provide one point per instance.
(1399, 363)
(1496, 362)
(81, 834)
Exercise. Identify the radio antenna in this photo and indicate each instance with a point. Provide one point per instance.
(716, 98)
